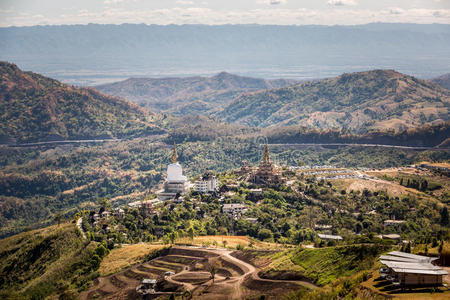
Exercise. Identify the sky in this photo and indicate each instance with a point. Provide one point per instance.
(282, 12)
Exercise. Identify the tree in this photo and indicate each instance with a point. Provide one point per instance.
(58, 218)
(212, 265)
(172, 237)
(103, 202)
(190, 233)
(265, 234)
(444, 216)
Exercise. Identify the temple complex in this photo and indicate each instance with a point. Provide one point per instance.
(266, 173)
(176, 183)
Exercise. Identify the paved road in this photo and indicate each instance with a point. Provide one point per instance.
(79, 222)
(360, 145)
(63, 142)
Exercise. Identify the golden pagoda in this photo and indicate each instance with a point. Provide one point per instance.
(267, 173)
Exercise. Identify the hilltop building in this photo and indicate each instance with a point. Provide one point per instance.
(208, 183)
(176, 182)
(266, 173)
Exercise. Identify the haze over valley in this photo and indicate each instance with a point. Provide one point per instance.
(251, 149)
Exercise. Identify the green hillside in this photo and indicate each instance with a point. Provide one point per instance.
(380, 99)
(182, 96)
(37, 108)
(49, 261)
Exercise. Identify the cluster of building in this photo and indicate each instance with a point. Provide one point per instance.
(177, 184)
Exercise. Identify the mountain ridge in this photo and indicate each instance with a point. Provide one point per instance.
(184, 95)
(443, 80)
(38, 108)
(359, 101)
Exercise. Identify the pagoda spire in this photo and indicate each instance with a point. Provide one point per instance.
(174, 157)
(266, 157)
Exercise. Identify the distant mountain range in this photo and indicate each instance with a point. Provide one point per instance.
(443, 80)
(95, 53)
(182, 96)
(379, 99)
(38, 108)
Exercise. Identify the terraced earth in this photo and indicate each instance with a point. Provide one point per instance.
(234, 278)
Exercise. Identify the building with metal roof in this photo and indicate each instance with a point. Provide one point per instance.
(329, 237)
(406, 269)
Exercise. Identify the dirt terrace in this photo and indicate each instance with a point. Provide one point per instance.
(234, 279)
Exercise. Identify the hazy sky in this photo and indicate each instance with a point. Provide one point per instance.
(329, 12)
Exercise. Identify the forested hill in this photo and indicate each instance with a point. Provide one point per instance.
(443, 81)
(37, 108)
(181, 96)
(379, 99)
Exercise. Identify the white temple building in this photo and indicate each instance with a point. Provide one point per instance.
(208, 183)
(176, 182)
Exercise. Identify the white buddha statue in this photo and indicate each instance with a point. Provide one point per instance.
(174, 170)
(175, 182)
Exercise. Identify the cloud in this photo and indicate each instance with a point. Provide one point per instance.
(204, 15)
(117, 1)
(112, 1)
(342, 2)
(185, 2)
(396, 11)
(271, 2)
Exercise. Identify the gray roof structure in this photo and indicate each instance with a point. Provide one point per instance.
(407, 265)
(396, 258)
(330, 237)
(418, 271)
(418, 258)
(401, 262)
(148, 281)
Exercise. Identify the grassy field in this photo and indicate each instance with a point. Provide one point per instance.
(392, 188)
(324, 265)
(121, 258)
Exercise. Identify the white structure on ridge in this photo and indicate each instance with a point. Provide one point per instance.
(176, 182)
(208, 183)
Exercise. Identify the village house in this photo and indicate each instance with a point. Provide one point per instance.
(147, 208)
(392, 222)
(256, 192)
(330, 237)
(235, 210)
(119, 213)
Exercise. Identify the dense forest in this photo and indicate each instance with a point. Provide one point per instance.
(37, 108)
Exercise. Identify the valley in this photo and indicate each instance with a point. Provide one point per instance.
(279, 199)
